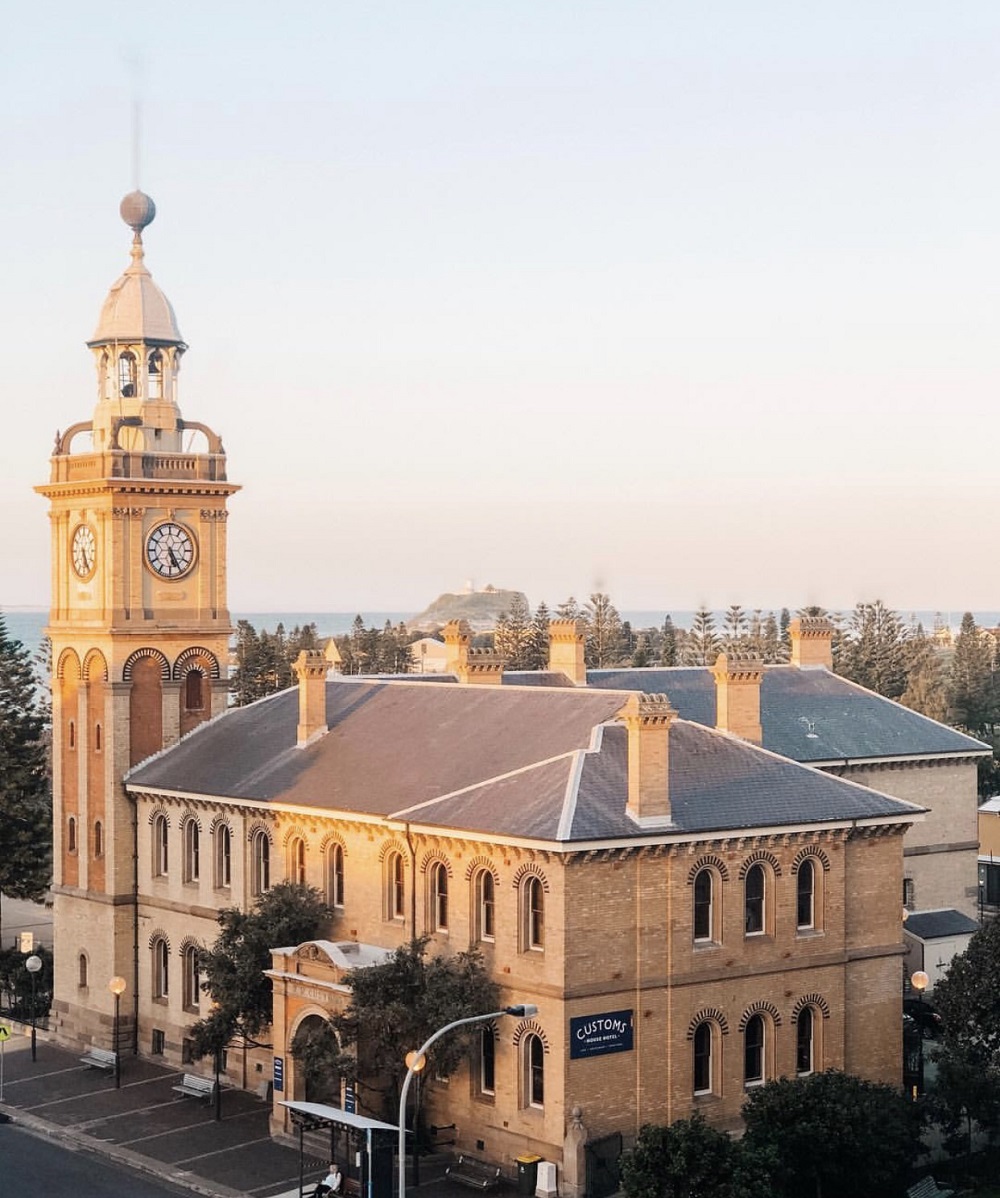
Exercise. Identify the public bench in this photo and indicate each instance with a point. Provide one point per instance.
(100, 1058)
(194, 1086)
(471, 1171)
(927, 1187)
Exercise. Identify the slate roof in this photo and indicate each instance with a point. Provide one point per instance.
(809, 715)
(933, 925)
(535, 763)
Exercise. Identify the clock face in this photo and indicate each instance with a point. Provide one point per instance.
(84, 550)
(170, 550)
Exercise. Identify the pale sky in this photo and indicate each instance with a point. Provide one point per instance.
(690, 302)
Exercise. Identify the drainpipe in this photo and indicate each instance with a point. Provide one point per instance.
(413, 884)
(135, 922)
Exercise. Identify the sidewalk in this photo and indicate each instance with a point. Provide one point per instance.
(148, 1127)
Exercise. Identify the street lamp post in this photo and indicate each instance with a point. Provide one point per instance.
(919, 981)
(117, 988)
(415, 1061)
(33, 965)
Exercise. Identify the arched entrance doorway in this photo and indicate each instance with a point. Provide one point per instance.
(315, 1049)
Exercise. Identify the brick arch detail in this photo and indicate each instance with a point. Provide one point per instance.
(331, 839)
(532, 1027)
(158, 811)
(435, 858)
(192, 818)
(217, 823)
(811, 1000)
(806, 853)
(259, 826)
(189, 942)
(138, 655)
(709, 1015)
(190, 658)
(159, 934)
(67, 655)
(763, 1007)
(94, 666)
(478, 863)
(393, 846)
(761, 857)
(709, 861)
(296, 830)
(530, 869)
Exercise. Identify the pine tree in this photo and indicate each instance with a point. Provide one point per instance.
(735, 628)
(538, 645)
(874, 651)
(604, 632)
(668, 645)
(701, 645)
(569, 609)
(25, 786)
(972, 695)
(926, 686)
(513, 634)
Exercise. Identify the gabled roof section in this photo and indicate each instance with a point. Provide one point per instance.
(532, 763)
(809, 715)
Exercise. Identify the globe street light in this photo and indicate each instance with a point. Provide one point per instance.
(919, 981)
(117, 988)
(33, 965)
(415, 1061)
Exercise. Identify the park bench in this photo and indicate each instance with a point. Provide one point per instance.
(194, 1086)
(100, 1058)
(927, 1187)
(471, 1171)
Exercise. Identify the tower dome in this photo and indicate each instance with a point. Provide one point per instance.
(136, 310)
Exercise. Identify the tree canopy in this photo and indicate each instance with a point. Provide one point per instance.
(288, 913)
(25, 786)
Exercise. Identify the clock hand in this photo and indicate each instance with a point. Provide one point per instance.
(173, 560)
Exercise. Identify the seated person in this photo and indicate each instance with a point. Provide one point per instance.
(331, 1184)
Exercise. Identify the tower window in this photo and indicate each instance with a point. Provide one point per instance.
(71, 835)
(155, 375)
(83, 967)
(98, 839)
(194, 690)
(72, 734)
(127, 374)
(97, 738)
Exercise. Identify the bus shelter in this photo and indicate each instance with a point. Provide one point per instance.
(362, 1147)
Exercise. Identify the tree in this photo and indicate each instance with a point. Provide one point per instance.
(538, 643)
(668, 646)
(513, 635)
(735, 627)
(701, 645)
(832, 1134)
(604, 632)
(688, 1159)
(396, 1006)
(875, 652)
(972, 697)
(25, 786)
(968, 1001)
(288, 913)
(925, 682)
(569, 609)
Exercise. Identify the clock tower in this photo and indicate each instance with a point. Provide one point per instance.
(139, 627)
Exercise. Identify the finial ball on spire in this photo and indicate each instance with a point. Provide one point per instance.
(137, 211)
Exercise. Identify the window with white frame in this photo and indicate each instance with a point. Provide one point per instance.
(487, 1061)
(223, 856)
(335, 875)
(438, 894)
(533, 1055)
(704, 906)
(532, 914)
(805, 1042)
(260, 863)
(192, 977)
(395, 887)
(754, 891)
(704, 1035)
(753, 1051)
(297, 861)
(805, 895)
(192, 851)
(485, 900)
(161, 844)
(161, 974)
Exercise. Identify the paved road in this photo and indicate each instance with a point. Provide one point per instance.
(17, 916)
(32, 1165)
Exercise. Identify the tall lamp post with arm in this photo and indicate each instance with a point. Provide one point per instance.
(415, 1061)
(117, 988)
(919, 981)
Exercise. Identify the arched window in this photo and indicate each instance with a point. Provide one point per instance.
(297, 860)
(439, 897)
(97, 738)
(161, 975)
(754, 890)
(395, 889)
(192, 978)
(84, 970)
(532, 914)
(127, 374)
(753, 1051)
(155, 374)
(704, 923)
(71, 835)
(805, 895)
(194, 690)
(487, 1061)
(192, 851)
(805, 1046)
(335, 875)
(223, 856)
(72, 734)
(98, 839)
(703, 1036)
(533, 1051)
(160, 846)
(260, 863)
(485, 887)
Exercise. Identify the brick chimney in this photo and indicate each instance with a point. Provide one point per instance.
(812, 641)
(483, 667)
(567, 642)
(456, 648)
(311, 666)
(648, 719)
(737, 695)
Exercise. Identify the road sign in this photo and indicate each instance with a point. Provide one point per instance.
(4, 1032)
(27, 942)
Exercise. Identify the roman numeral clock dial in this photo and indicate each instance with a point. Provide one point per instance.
(170, 550)
(84, 551)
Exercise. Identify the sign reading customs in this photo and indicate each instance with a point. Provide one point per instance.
(279, 1073)
(597, 1035)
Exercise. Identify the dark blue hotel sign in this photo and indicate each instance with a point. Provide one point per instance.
(597, 1035)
